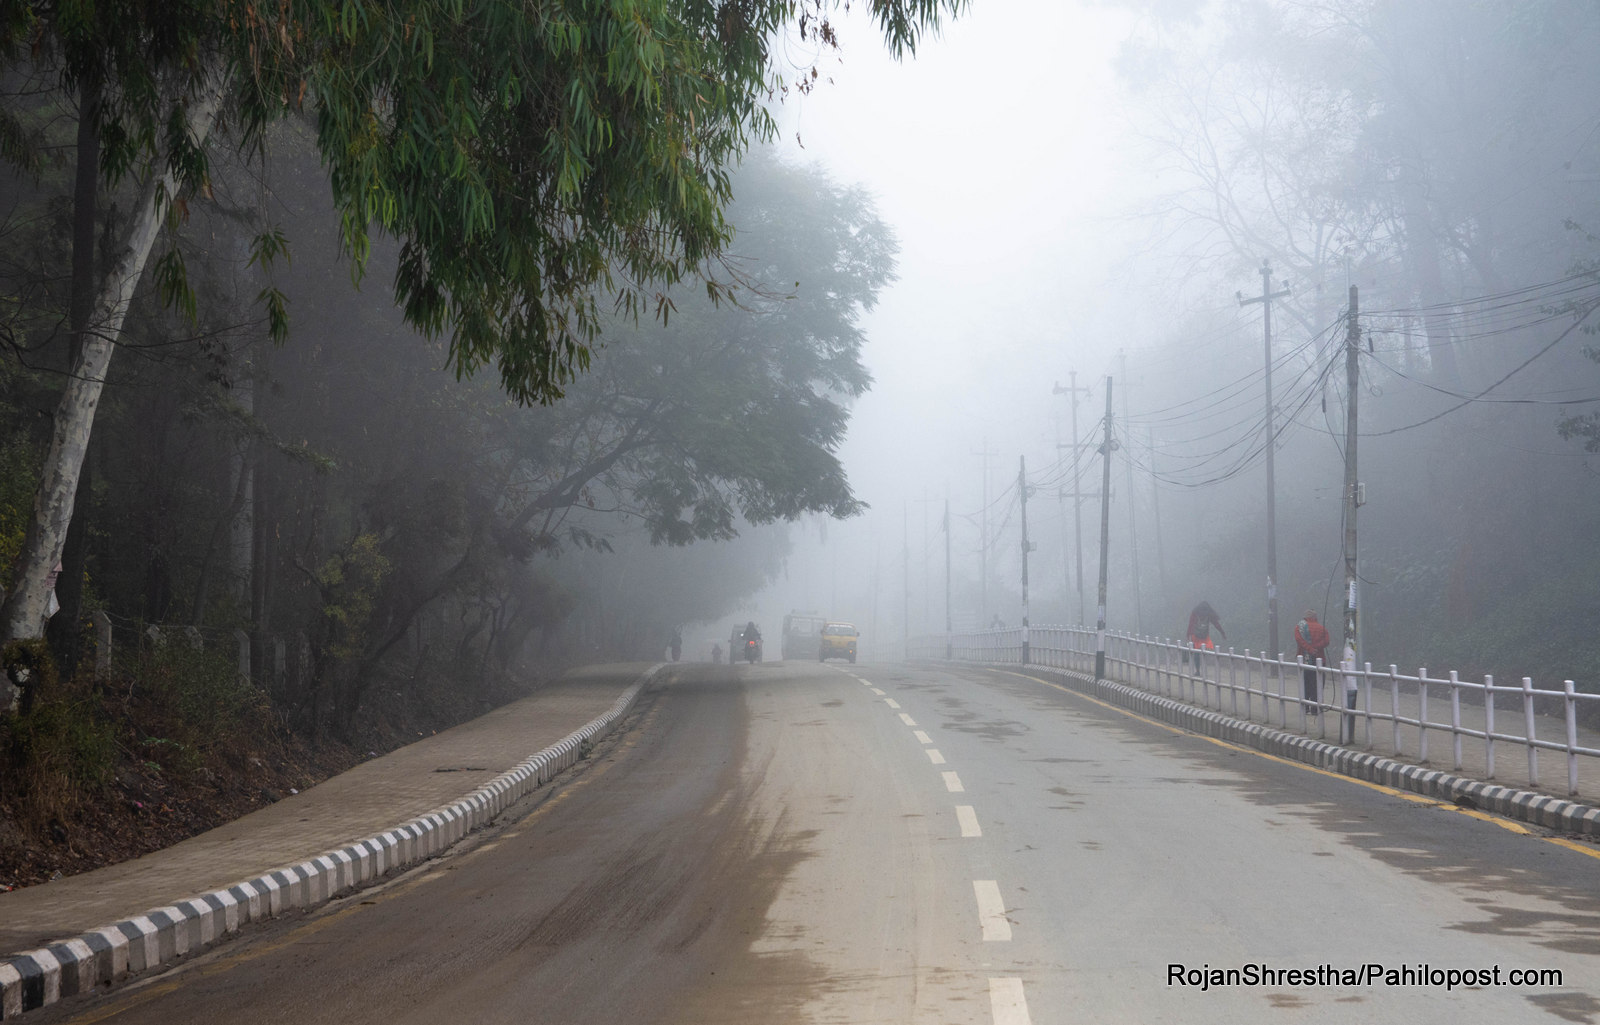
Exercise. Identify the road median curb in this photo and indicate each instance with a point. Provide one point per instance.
(69, 967)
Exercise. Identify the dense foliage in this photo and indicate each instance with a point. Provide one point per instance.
(534, 162)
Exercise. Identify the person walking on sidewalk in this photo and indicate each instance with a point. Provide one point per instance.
(1201, 622)
(1311, 640)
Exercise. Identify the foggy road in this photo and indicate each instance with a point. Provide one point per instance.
(790, 842)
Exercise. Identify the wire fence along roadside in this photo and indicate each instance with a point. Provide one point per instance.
(1470, 726)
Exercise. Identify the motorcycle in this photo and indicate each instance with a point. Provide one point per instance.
(752, 650)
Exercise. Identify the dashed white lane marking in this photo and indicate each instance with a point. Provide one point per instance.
(878, 692)
(1008, 1003)
(991, 911)
(968, 820)
(891, 702)
(952, 783)
(934, 756)
(923, 738)
(907, 719)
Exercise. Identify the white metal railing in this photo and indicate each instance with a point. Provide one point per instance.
(1410, 711)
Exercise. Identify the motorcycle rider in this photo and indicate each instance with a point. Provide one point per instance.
(751, 637)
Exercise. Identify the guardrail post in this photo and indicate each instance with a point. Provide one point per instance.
(1527, 715)
(1283, 709)
(1422, 715)
(1572, 736)
(1366, 705)
(1300, 667)
(1394, 705)
(1249, 678)
(1488, 726)
(1455, 719)
(1233, 688)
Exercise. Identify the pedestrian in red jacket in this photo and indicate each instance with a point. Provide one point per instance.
(1311, 640)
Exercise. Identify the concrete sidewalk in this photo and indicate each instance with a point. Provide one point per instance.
(67, 936)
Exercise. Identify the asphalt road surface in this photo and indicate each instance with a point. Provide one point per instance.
(795, 843)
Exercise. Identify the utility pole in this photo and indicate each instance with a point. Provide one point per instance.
(1267, 295)
(1022, 490)
(1133, 522)
(1072, 390)
(1106, 448)
(927, 592)
(1353, 499)
(927, 572)
(905, 568)
(1155, 507)
(983, 542)
(947, 627)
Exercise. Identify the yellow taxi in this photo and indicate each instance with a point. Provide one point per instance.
(838, 641)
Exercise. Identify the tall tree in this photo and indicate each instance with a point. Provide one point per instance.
(531, 159)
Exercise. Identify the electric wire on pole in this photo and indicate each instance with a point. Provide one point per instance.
(1072, 391)
(1352, 501)
(1133, 520)
(1022, 491)
(1265, 299)
(983, 541)
(1106, 448)
(1155, 509)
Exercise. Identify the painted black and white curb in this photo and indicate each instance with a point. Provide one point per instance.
(1525, 805)
(66, 968)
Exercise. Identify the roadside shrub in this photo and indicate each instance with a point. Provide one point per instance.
(59, 749)
(193, 707)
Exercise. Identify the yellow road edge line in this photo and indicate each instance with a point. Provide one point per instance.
(1429, 802)
(1573, 845)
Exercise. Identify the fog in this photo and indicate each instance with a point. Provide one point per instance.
(1088, 189)
(935, 261)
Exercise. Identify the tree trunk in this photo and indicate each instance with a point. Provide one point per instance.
(22, 614)
(65, 629)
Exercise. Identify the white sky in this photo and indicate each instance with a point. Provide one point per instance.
(995, 154)
(1001, 157)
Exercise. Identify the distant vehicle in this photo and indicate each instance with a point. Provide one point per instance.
(802, 633)
(838, 641)
(745, 643)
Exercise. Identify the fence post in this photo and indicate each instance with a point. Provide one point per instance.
(1527, 715)
(1455, 719)
(242, 641)
(1366, 705)
(1283, 709)
(1300, 670)
(1233, 688)
(1394, 705)
(1249, 694)
(102, 644)
(1572, 737)
(1421, 715)
(302, 660)
(1488, 726)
